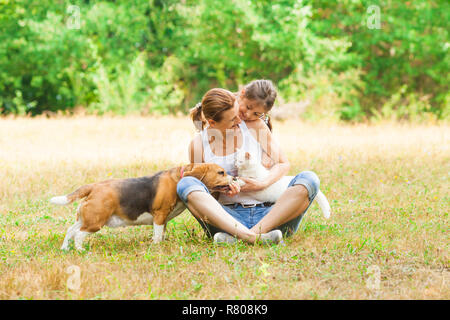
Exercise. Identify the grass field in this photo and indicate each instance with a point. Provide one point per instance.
(388, 186)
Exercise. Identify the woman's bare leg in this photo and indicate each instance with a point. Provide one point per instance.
(291, 204)
(206, 208)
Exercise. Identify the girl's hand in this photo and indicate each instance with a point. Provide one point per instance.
(235, 189)
(266, 161)
(252, 185)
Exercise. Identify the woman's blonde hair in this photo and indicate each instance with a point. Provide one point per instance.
(213, 104)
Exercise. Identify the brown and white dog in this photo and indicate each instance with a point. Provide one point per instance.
(136, 201)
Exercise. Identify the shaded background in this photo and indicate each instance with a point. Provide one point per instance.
(328, 59)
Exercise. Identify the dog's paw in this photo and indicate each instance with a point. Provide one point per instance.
(157, 239)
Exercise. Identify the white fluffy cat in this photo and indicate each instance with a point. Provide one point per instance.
(248, 167)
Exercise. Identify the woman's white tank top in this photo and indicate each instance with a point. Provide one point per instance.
(249, 144)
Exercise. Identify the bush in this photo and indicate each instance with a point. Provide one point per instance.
(407, 56)
(162, 56)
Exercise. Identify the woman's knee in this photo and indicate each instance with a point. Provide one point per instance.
(313, 178)
(310, 181)
(188, 184)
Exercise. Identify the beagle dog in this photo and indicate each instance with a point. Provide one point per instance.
(136, 201)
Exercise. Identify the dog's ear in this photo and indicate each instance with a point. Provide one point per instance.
(189, 167)
(196, 170)
(247, 156)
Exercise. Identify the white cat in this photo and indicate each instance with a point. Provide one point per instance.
(248, 167)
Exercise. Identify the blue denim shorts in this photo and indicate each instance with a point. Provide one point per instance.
(249, 217)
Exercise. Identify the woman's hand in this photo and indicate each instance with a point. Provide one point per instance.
(252, 185)
(235, 189)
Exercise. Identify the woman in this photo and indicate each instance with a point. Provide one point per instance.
(234, 213)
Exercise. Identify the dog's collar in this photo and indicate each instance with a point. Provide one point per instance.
(181, 172)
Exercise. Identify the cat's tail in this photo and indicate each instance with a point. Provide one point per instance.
(323, 204)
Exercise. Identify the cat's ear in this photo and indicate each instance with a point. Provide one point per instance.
(247, 156)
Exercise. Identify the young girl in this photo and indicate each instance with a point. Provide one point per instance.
(255, 100)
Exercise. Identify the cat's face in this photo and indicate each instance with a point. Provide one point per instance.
(243, 159)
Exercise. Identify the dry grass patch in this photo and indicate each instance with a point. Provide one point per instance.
(388, 186)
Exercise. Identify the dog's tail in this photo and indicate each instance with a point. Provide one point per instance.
(323, 204)
(80, 193)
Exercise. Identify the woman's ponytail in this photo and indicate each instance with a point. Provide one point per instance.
(197, 117)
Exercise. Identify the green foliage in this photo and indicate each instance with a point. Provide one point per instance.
(161, 56)
(404, 63)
